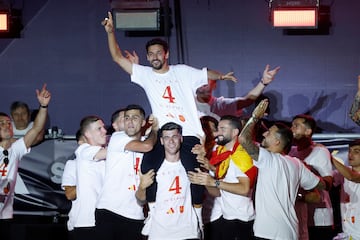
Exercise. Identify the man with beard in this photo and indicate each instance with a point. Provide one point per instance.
(171, 92)
(279, 178)
(314, 209)
(232, 180)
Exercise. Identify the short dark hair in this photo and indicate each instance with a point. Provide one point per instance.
(116, 114)
(205, 120)
(355, 142)
(170, 126)
(85, 122)
(136, 107)
(157, 41)
(78, 135)
(234, 121)
(286, 136)
(309, 121)
(18, 104)
(2, 114)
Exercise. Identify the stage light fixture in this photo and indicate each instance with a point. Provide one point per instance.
(10, 22)
(4, 21)
(136, 15)
(294, 13)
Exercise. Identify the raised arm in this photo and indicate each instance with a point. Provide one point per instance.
(114, 48)
(43, 97)
(347, 172)
(215, 75)
(247, 135)
(148, 144)
(355, 106)
(267, 77)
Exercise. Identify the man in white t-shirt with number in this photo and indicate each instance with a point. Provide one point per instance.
(171, 91)
(172, 216)
(118, 214)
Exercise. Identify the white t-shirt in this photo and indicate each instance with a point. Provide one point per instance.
(19, 133)
(279, 179)
(322, 213)
(90, 173)
(8, 176)
(121, 179)
(69, 179)
(235, 206)
(173, 217)
(172, 94)
(350, 210)
(69, 174)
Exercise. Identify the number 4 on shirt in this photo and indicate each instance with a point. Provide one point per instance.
(175, 185)
(168, 95)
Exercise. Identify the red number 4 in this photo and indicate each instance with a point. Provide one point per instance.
(3, 171)
(168, 95)
(175, 185)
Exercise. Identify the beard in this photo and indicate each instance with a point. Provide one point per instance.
(157, 64)
(264, 143)
(221, 140)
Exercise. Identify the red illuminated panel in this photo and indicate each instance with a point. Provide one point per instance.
(295, 18)
(4, 23)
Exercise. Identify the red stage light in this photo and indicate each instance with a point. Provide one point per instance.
(295, 18)
(4, 22)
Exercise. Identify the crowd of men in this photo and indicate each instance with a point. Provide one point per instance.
(175, 176)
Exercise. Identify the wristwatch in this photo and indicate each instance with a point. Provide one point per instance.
(217, 183)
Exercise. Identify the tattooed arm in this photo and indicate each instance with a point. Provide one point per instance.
(246, 139)
(247, 134)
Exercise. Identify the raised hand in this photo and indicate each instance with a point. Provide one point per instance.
(147, 179)
(43, 95)
(260, 109)
(229, 76)
(108, 23)
(132, 57)
(269, 75)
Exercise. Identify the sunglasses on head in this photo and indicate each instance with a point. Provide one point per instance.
(6, 159)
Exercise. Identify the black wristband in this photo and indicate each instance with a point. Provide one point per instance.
(41, 106)
(262, 82)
